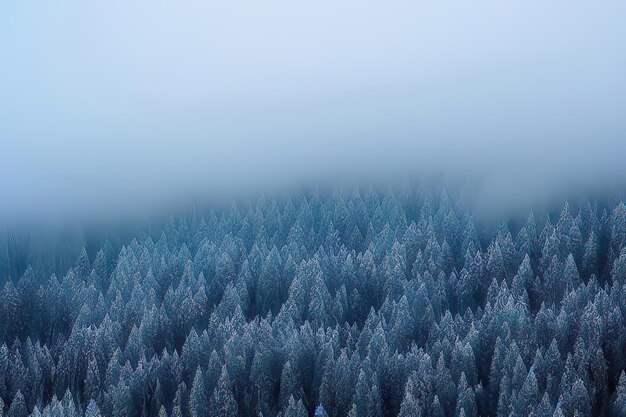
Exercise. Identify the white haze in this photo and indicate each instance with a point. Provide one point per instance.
(112, 107)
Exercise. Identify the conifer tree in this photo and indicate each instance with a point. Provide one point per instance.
(198, 403)
(92, 410)
(18, 406)
(223, 403)
(295, 409)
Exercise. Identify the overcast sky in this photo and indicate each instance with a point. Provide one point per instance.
(110, 106)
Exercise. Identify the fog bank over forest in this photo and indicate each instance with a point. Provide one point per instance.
(118, 110)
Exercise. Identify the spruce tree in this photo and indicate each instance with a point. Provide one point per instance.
(18, 406)
(223, 403)
(198, 403)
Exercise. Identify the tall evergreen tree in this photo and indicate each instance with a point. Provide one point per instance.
(18, 406)
(223, 403)
(198, 402)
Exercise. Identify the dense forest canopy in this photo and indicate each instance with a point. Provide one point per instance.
(363, 304)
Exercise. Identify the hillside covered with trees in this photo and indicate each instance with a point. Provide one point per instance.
(360, 304)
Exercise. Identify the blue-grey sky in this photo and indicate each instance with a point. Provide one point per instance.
(113, 106)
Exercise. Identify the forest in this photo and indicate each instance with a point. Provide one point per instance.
(361, 303)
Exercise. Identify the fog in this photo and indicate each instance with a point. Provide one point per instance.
(117, 107)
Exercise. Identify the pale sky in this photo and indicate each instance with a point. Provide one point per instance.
(108, 106)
